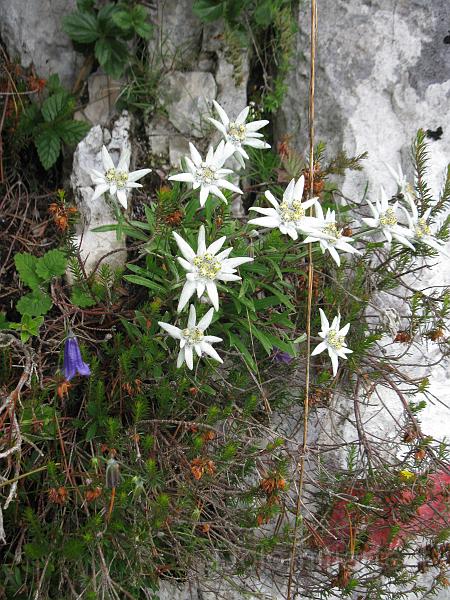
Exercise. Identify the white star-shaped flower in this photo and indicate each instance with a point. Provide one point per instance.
(404, 187)
(208, 174)
(193, 339)
(329, 236)
(205, 267)
(385, 218)
(238, 133)
(289, 215)
(333, 340)
(116, 180)
(419, 229)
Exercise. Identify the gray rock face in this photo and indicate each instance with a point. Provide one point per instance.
(383, 72)
(32, 31)
(178, 32)
(189, 97)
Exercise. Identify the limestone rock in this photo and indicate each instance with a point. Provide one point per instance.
(189, 97)
(33, 32)
(383, 72)
(103, 94)
(178, 32)
(93, 245)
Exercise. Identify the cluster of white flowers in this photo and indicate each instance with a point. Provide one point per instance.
(210, 264)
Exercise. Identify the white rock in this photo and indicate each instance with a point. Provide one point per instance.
(93, 245)
(189, 97)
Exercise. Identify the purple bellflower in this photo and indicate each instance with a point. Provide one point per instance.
(280, 356)
(73, 363)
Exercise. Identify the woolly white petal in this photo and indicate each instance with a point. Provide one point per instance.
(186, 293)
(211, 290)
(205, 321)
(209, 350)
(188, 357)
(135, 175)
(192, 317)
(319, 348)
(173, 331)
(184, 247)
(106, 159)
(240, 119)
(122, 198)
(222, 114)
(180, 359)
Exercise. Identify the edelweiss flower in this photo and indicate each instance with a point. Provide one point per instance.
(193, 338)
(419, 230)
(289, 215)
(333, 340)
(404, 187)
(329, 236)
(385, 218)
(238, 133)
(208, 174)
(205, 267)
(116, 180)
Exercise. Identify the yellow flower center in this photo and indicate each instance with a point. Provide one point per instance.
(422, 228)
(332, 230)
(193, 335)
(388, 217)
(291, 212)
(237, 132)
(120, 178)
(335, 340)
(207, 266)
(206, 174)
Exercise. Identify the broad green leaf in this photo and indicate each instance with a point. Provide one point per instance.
(123, 19)
(35, 304)
(48, 146)
(103, 50)
(138, 280)
(54, 106)
(117, 59)
(81, 27)
(26, 267)
(71, 132)
(52, 264)
(208, 10)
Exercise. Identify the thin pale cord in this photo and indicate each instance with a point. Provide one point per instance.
(313, 39)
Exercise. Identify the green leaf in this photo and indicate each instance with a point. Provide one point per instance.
(48, 147)
(115, 55)
(81, 27)
(138, 280)
(26, 267)
(85, 5)
(144, 30)
(123, 19)
(71, 132)
(102, 50)
(52, 264)
(263, 13)
(54, 106)
(35, 304)
(28, 327)
(54, 84)
(208, 10)
(81, 298)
